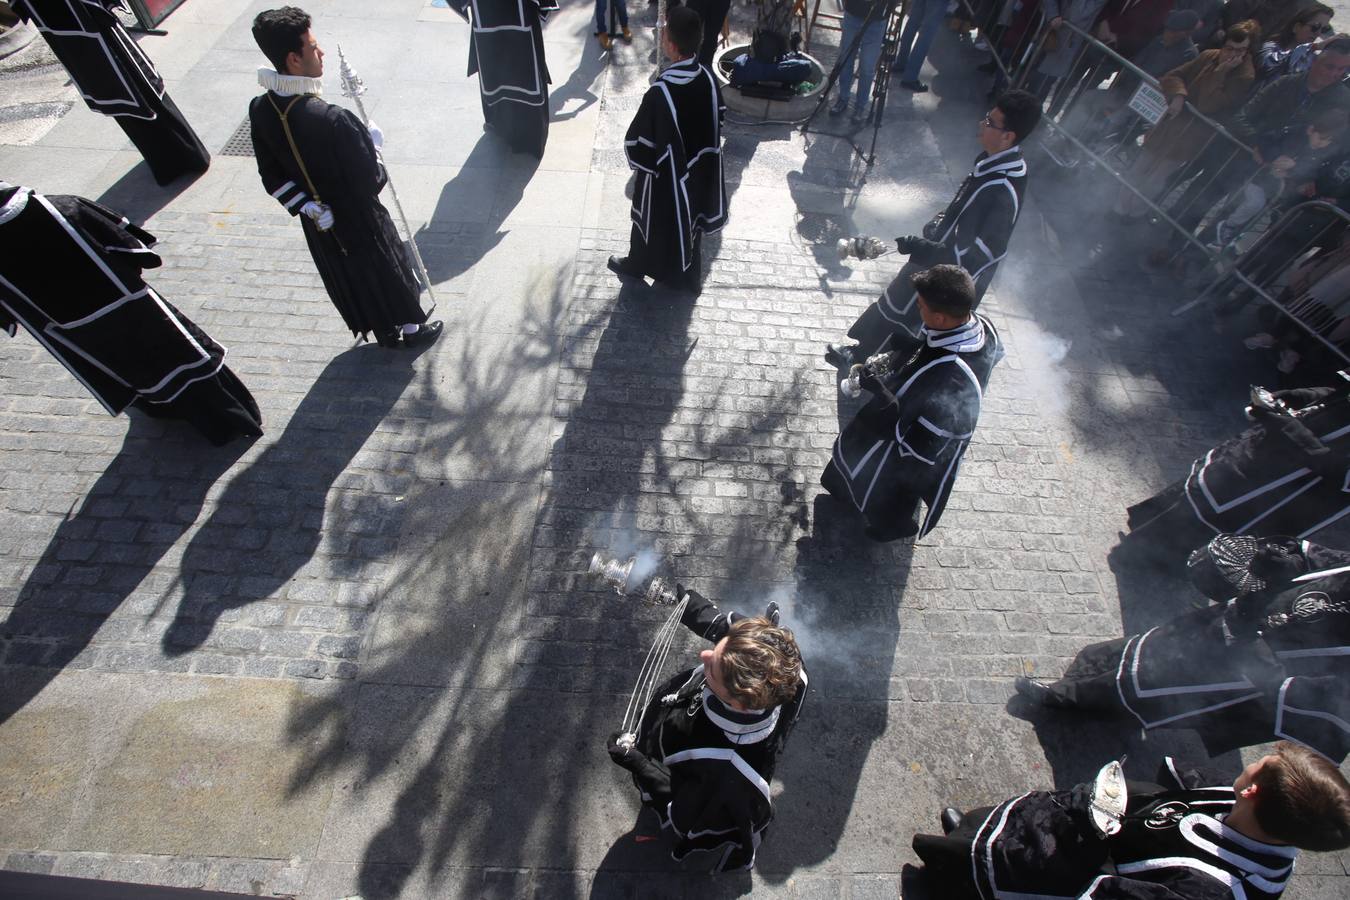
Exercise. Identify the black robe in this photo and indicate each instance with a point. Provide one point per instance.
(674, 144)
(972, 232)
(1271, 664)
(1173, 844)
(507, 52)
(907, 442)
(362, 260)
(1284, 475)
(71, 275)
(704, 768)
(117, 79)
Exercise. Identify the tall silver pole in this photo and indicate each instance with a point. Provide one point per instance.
(354, 87)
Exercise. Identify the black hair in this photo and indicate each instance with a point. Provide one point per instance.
(279, 33)
(685, 27)
(1021, 112)
(946, 289)
(1340, 45)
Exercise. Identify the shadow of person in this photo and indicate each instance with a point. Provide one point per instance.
(639, 864)
(103, 551)
(578, 85)
(825, 193)
(268, 521)
(138, 196)
(846, 616)
(441, 241)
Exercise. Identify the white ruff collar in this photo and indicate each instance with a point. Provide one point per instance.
(288, 85)
(15, 204)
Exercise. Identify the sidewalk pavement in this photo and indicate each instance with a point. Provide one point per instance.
(361, 655)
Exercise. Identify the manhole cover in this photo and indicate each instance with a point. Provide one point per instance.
(240, 143)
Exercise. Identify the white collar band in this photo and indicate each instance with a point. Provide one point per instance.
(289, 85)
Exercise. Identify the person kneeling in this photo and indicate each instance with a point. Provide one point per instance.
(709, 739)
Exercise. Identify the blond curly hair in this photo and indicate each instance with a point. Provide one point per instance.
(761, 664)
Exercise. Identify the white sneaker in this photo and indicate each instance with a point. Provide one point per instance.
(1289, 360)
(1259, 341)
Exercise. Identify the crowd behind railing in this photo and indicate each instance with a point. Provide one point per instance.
(1226, 129)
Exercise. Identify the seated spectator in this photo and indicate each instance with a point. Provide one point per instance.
(1293, 154)
(1277, 56)
(1214, 83)
(1188, 836)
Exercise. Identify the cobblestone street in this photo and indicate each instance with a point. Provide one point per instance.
(361, 654)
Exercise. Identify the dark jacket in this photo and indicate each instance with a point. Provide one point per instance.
(1285, 102)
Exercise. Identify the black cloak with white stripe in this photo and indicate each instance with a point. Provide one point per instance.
(362, 260)
(674, 144)
(908, 441)
(507, 52)
(116, 79)
(71, 275)
(1284, 475)
(1173, 845)
(704, 768)
(972, 232)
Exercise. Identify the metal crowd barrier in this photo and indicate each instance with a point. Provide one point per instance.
(1084, 122)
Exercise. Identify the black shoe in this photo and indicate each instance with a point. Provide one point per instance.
(838, 109)
(1040, 694)
(388, 339)
(988, 68)
(619, 266)
(840, 354)
(424, 335)
(950, 819)
(917, 87)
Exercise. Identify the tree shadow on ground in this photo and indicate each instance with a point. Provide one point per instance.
(435, 703)
(269, 521)
(104, 553)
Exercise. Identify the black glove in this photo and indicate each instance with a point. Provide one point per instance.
(1279, 560)
(906, 244)
(627, 757)
(1258, 663)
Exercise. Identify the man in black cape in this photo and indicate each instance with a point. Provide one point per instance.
(1287, 474)
(1270, 659)
(972, 232)
(320, 162)
(674, 144)
(709, 739)
(507, 52)
(71, 275)
(1189, 836)
(117, 79)
(906, 444)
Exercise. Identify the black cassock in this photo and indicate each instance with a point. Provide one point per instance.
(117, 79)
(972, 232)
(507, 52)
(1271, 664)
(674, 144)
(1173, 844)
(906, 443)
(1284, 475)
(71, 275)
(361, 259)
(704, 768)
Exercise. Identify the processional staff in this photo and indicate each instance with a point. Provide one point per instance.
(353, 86)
